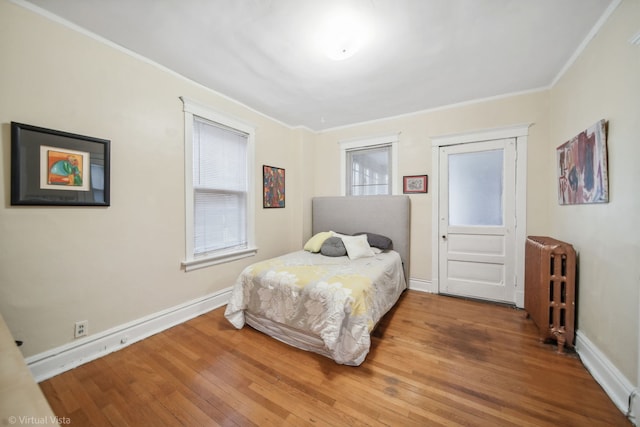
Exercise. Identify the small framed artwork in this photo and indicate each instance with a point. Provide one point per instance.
(273, 195)
(415, 184)
(51, 167)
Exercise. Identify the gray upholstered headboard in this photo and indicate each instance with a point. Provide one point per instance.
(386, 215)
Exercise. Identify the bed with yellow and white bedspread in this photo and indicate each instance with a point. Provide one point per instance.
(328, 305)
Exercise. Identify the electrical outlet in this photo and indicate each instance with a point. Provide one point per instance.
(82, 328)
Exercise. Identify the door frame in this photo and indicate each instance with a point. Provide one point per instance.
(520, 133)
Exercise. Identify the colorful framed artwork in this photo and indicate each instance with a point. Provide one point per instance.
(273, 193)
(415, 184)
(582, 167)
(51, 167)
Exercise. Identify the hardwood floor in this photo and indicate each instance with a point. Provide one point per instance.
(435, 360)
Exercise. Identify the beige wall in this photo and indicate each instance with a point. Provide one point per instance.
(113, 265)
(415, 157)
(604, 83)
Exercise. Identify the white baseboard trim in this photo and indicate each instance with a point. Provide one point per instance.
(519, 299)
(66, 357)
(614, 383)
(635, 407)
(60, 359)
(422, 285)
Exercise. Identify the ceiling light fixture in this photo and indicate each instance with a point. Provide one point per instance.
(342, 35)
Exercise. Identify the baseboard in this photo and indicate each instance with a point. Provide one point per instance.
(60, 359)
(423, 286)
(614, 383)
(53, 362)
(635, 408)
(519, 298)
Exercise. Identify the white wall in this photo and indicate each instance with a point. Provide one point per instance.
(113, 265)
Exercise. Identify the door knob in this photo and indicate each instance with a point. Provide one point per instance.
(444, 237)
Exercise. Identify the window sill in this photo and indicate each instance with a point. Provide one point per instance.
(208, 261)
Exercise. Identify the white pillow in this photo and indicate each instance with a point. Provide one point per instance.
(357, 246)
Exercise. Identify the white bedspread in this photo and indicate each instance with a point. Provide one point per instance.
(337, 300)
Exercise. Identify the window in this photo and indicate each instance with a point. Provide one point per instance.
(369, 166)
(219, 200)
(369, 173)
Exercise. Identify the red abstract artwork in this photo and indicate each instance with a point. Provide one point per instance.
(273, 187)
(582, 167)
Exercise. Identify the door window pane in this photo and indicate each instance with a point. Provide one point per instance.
(475, 188)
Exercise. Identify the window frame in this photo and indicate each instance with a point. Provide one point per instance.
(363, 144)
(191, 261)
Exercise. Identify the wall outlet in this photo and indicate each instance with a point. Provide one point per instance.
(82, 328)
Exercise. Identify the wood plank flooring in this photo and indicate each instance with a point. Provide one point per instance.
(435, 361)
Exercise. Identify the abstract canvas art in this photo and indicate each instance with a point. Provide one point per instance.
(273, 187)
(582, 167)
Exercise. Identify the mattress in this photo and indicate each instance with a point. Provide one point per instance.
(329, 305)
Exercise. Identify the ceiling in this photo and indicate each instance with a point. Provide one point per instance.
(418, 54)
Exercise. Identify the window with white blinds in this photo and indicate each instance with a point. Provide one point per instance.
(369, 165)
(219, 207)
(219, 187)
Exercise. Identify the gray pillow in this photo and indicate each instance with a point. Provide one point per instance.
(377, 240)
(333, 246)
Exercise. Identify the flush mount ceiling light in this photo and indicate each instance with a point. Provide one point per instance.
(343, 34)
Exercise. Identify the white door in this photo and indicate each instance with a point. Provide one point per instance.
(477, 220)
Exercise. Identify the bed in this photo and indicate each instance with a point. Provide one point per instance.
(319, 300)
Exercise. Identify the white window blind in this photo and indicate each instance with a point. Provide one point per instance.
(220, 187)
(219, 197)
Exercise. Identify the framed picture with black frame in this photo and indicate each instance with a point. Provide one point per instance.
(52, 167)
